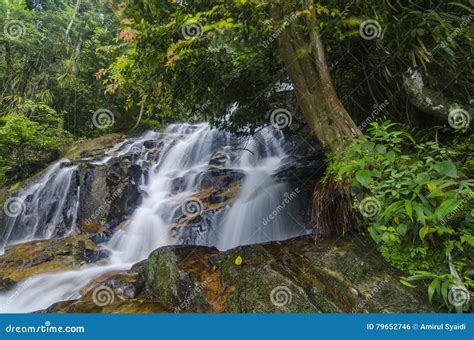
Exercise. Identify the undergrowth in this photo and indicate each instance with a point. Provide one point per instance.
(415, 195)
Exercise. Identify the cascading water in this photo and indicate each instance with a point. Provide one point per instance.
(185, 154)
(44, 209)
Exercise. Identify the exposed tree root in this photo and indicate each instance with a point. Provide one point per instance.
(333, 214)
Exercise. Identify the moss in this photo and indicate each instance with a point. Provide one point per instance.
(162, 275)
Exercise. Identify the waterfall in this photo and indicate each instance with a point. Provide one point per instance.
(44, 209)
(186, 152)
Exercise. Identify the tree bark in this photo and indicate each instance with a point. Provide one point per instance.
(69, 26)
(428, 101)
(305, 61)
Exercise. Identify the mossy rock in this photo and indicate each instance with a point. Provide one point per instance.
(295, 276)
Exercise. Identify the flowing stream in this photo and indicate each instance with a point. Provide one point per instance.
(51, 206)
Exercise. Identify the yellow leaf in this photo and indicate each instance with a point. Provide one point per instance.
(431, 185)
(238, 261)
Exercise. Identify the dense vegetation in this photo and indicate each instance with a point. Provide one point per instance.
(73, 69)
(415, 195)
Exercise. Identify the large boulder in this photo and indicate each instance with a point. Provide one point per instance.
(28, 259)
(294, 276)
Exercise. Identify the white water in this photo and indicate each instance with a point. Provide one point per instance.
(41, 210)
(148, 229)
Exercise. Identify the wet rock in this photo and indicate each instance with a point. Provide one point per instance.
(196, 228)
(121, 292)
(47, 256)
(218, 160)
(219, 178)
(174, 276)
(6, 284)
(295, 276)
(178, 184)
(109, 193)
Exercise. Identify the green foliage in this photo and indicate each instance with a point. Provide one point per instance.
(416, 198)
(434, 37)
(234, 56)
(42, 64)
(26, 145)
(221, 62)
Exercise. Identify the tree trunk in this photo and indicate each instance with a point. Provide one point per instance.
(305, 61)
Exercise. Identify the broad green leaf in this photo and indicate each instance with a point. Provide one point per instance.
(469, 239)
(402, 229)
(446, 208)
(421, 275)
(406, 283)
(446, 168)
(390, 156)
(381, 149)
(374, 234)
(419, 213)
(364, 177)
(444, 291)
(422, 178)
(425, 231)
(432, 288)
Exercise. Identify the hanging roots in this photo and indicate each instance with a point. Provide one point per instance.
(333, 214)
